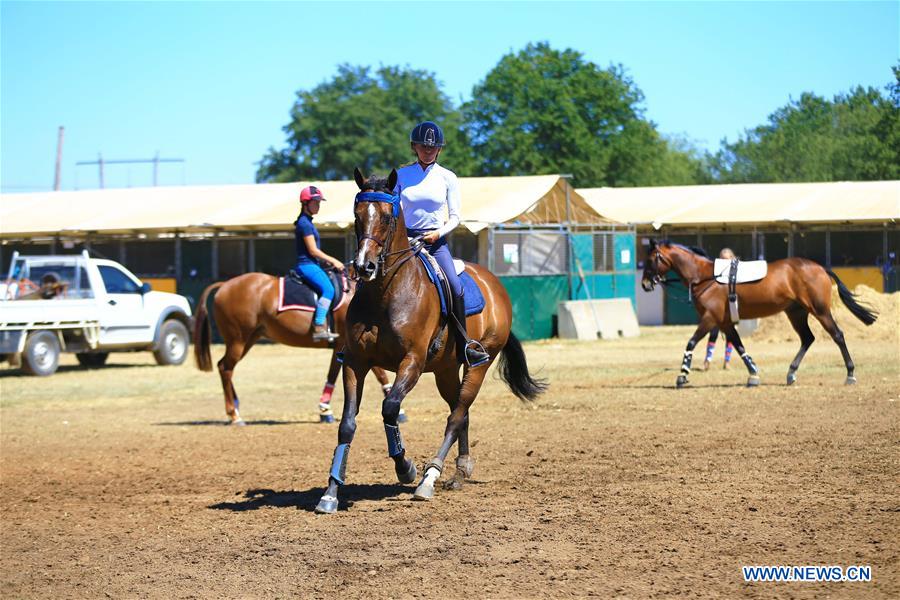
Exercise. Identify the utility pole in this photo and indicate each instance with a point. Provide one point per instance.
(59, 147)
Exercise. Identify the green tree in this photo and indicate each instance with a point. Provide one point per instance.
(676, 162)
(854, 137)
(363, 119)
(547, 111)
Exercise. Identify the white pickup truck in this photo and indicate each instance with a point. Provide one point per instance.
(89, 306)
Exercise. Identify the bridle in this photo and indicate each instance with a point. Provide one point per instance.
(658, 279)
(381, 261)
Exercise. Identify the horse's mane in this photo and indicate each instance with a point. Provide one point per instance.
(378, 184)
(695, 249)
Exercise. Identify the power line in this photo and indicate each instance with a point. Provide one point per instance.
(155, 161)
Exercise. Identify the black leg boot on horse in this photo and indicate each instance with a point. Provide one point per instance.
(469, 352)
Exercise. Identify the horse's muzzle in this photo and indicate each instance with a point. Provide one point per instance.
(648, 284)
(367, 269)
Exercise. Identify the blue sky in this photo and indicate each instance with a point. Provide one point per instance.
(213, 82)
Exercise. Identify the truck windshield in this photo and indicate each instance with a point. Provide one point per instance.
(117, 282)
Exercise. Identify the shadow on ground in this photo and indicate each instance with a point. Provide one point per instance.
(307, 500)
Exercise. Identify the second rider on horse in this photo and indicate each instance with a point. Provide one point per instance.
(426, 191)
(309, 253)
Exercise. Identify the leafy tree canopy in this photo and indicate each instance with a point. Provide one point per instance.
(547, 111)
(854, 137)
(361, 119)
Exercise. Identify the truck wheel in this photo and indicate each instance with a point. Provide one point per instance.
(41, 354)
(92, 359)
(172, 348)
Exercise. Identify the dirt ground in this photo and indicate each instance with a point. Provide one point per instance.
(123, 482)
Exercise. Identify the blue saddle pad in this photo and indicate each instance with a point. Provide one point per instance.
(472, 293)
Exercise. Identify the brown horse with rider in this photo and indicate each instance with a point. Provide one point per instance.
(245, 310)
(395, 322)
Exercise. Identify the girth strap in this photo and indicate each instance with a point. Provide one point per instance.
(732, 291)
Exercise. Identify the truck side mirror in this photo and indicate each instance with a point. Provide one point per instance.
(145, 288)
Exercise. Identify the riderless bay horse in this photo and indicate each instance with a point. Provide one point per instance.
(796, 286)
(245, 310)
(395, 322)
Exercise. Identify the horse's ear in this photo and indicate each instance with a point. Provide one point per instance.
(358, 176)
(392, 180)
(652, 243)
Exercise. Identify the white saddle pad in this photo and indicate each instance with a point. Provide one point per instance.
(748, 270)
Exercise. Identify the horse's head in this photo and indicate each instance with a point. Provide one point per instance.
(665, 256)
(657, 264)
(376, 212)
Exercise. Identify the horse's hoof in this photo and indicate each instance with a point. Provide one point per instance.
(425, 491)
(681, 381)
(238, 423)
(851, 380)
(753, 381)
(791, 379)
(327, 505)
(406, 473)
(453, 485)
(326, 418)
(465, 464)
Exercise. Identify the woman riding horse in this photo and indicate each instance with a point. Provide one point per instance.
(395, 322)
(246, 309)
(426, 191)
(309, 253)
(797, 286)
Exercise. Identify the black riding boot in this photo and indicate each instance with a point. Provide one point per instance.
(468, 351)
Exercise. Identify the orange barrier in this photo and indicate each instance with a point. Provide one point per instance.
(162, 284)
(854, 276)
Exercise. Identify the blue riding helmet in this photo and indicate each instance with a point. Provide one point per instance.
(427, 133)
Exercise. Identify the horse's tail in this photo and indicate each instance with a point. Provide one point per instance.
(514, 371)
(203, 330)
(863, 313)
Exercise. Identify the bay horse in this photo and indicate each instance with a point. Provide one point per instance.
(245, 310)
(796, 286)
(394, 322)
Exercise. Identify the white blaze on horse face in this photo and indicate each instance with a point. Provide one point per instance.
(368, 245)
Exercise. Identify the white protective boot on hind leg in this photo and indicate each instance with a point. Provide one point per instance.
(425, 491)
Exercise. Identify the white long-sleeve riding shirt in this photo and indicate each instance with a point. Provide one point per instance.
(424, 196)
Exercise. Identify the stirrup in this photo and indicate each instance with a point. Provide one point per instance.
(324, 336)
(480, 355)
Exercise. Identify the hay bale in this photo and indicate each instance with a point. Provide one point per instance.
(887, 328)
